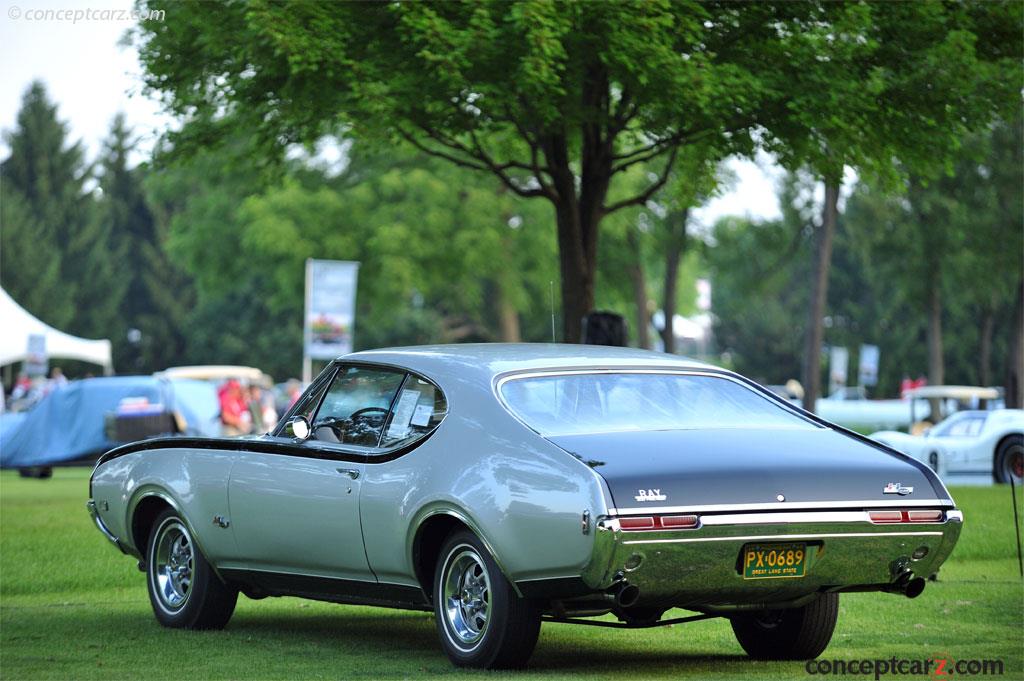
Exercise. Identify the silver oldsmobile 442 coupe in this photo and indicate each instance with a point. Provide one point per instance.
(505, 485)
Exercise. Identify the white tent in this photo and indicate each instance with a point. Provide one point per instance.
(16, 325)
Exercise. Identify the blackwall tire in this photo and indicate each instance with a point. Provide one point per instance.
(794, 634)
(183, 589)
(481, 621)
(1008, 463)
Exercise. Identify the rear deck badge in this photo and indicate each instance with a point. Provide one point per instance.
(897, 488)
(650, 495)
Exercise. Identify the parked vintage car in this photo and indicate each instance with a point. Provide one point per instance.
(80, 421)
(505, 485)
(975, 442)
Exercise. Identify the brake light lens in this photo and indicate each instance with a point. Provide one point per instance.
(642, 523)
(881, 517)
(889, 517)
(648, 523)
(679, 521)
(924, 516)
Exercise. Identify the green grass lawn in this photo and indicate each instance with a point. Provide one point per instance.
(72, 607)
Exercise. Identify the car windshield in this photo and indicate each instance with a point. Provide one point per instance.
(582, 403)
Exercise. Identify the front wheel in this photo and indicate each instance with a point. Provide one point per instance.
(792, 634)
(481, 621)
(1009, 460)
(183, 589)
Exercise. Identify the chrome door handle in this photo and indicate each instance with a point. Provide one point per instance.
(350, 472)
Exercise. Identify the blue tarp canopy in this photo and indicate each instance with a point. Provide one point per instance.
(68, 423)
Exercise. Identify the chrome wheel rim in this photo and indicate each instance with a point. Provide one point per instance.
(172, 565)
(466, 593)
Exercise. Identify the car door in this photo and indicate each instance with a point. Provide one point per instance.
(295, 508)
(959, 436)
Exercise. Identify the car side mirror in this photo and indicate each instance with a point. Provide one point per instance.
(300, 427)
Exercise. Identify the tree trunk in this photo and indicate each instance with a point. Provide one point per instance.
(508, 316)
(578, 216)
(988, 322)
(577, 271)
(819, 295)
(675, 221)
(1014, 386)
(639, 281)
(936, 365)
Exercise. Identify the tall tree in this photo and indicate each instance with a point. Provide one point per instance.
(989, 174)
(824, 233)
(124, 211)
(951, 248)
(755, 271)
(556, 100)
(695, 178)
(45, 208)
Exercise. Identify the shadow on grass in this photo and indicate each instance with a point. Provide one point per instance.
(411, 632)
(415, 634)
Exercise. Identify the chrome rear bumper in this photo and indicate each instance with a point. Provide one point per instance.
(702, 566)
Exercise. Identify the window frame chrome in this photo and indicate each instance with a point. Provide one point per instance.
(376, 454)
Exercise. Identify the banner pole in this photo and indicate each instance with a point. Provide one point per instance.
(307, 361)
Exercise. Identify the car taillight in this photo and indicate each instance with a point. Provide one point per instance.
(679, 521)
(887, 517)
(641, 523)
(924, 516)
(668, 522)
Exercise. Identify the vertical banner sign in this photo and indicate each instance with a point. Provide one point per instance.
(867, 368)
(839, 358)
(704, 295)
(36, 362)
(330, 310)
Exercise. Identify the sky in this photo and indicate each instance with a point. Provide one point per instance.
(91, 78)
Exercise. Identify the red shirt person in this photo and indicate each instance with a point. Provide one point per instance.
(234, 411)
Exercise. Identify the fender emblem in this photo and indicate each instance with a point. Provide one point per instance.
(650, 495)
(897, 488)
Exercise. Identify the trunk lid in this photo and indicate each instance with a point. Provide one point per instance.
(685, 468)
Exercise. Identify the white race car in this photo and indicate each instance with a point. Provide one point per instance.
(968, 443)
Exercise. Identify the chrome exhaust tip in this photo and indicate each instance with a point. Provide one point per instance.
(627, 595)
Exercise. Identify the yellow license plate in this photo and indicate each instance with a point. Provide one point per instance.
(772, 561)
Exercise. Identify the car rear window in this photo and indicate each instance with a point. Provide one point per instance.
(581, 403)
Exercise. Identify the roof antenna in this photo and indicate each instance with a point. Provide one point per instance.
(552, 282)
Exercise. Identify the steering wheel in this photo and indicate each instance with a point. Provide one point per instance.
(366, 411)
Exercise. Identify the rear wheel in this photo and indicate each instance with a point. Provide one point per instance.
(793, 634)
(1009, 460)
(480, 619)
(183, 589)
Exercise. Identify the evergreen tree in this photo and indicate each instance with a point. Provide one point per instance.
(131, 234)
(44, 208)
(29, 264)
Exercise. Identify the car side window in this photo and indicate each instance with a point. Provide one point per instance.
(418, 411)
(966, 427)
(306, 407)
(356, 406)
